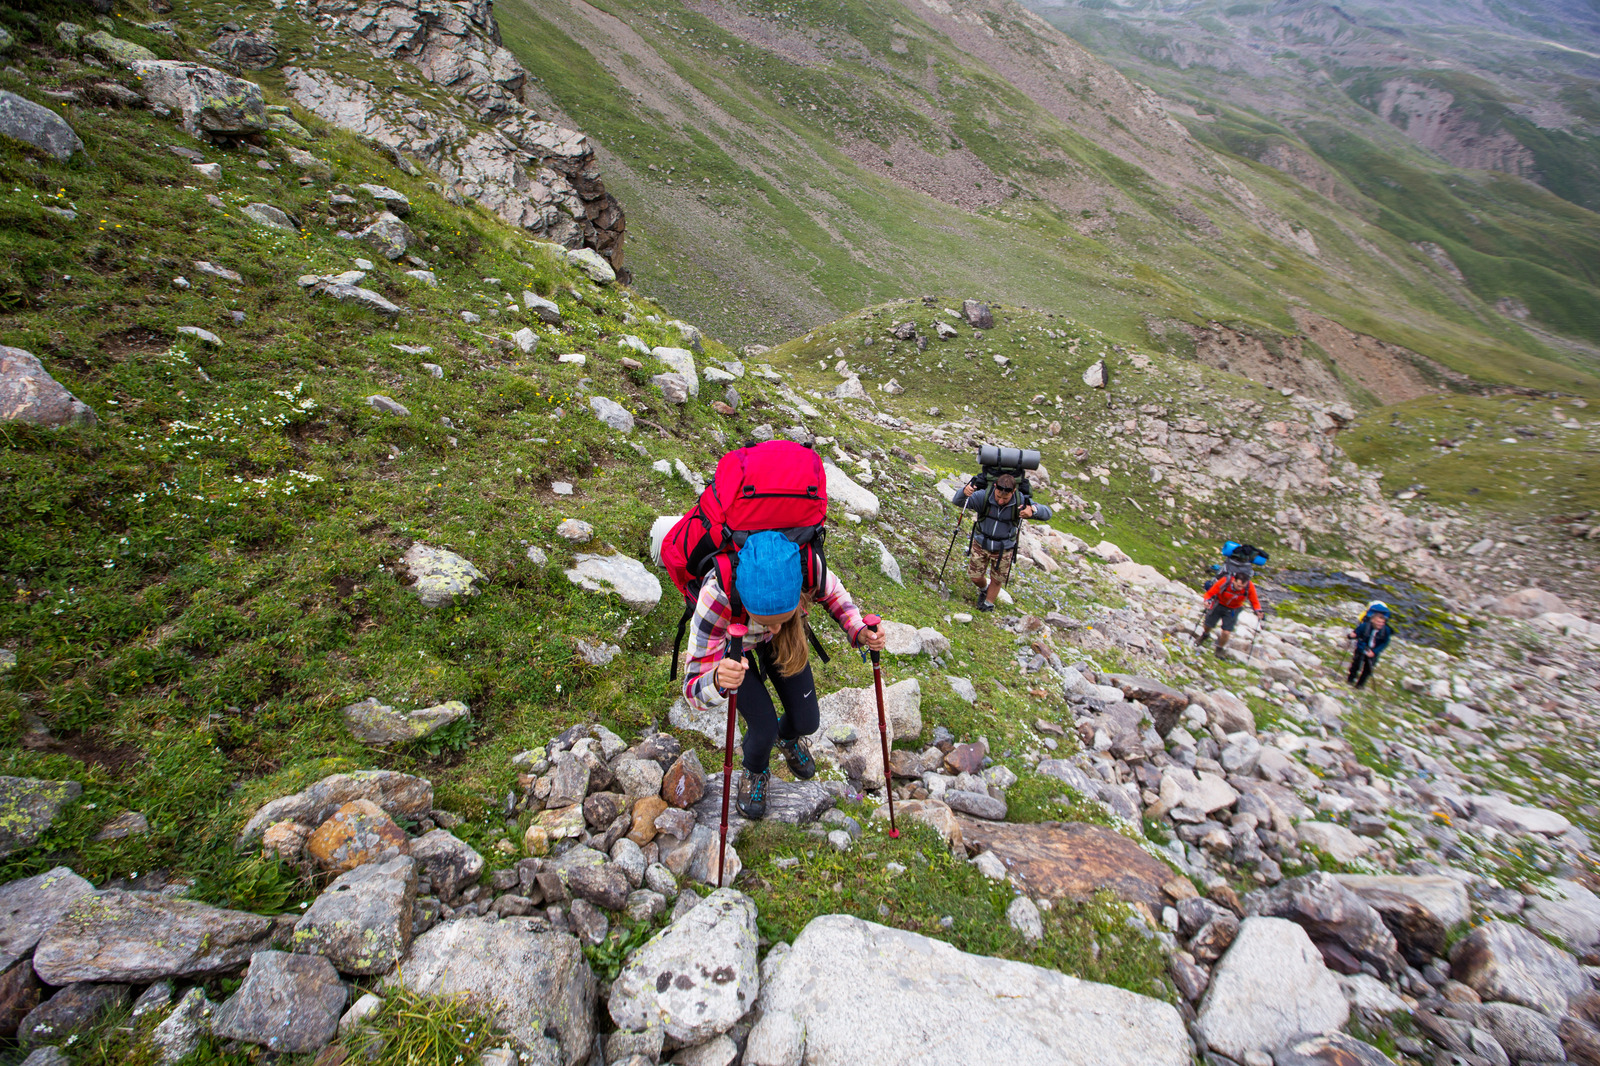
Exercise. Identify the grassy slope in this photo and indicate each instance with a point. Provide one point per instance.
(765, 227)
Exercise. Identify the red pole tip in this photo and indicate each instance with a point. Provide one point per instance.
(871, 621)
(737, 631)
(894, 834)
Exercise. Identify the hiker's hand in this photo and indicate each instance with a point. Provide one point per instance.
(1261, 616)
(730, 674)
(1027, 512)
(1371, 654)
(875, 639)
(968, 490)
(1350, 635)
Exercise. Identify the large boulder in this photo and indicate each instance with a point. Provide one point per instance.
(531, 982)
(1166, 704)
(1271, 986)
(23, 120)
(695, 978)
(28, 394)
(1444, 897)
(1528, 603)
(1073, 860)
(861, 992)
(362, 922)
(30, 906)
(1330, 912)
(213, 104)
(382, 726)
(1503, 961)
(438, 576)
(141, 937)
(1570, 913)
(681, 360)
(401, 795)
(1516, 818)
(853, 498)
(854, 711)
(289, 1004)
(622, 574)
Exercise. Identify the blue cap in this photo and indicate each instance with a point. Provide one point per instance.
(768, 577)
(1378, 607)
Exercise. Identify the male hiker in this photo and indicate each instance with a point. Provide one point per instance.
(1225, 599)
(1371, 635)
(994, 534)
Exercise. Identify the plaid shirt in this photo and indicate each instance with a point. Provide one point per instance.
(709, 628)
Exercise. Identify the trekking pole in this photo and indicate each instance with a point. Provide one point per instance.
(872, 622)
(734, 650)
(960, 517)
(1261, 623)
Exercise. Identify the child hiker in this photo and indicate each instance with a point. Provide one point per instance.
(1371, 635)
(769, 585)
(1224, 600)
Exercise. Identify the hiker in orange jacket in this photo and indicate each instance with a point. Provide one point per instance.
(1224, 600)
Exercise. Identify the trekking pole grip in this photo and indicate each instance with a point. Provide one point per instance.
(734, 646)
(872, 622)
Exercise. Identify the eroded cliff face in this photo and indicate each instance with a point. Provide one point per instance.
(482, 138)
(1428, 116)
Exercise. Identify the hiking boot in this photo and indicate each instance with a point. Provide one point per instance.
(798, 755)
(984, 605)
(753, 794)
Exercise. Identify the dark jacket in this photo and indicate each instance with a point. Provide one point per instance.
(997, 525)
(1365, 638)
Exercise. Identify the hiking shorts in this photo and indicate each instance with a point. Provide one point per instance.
(983, 563)
(1228, 617)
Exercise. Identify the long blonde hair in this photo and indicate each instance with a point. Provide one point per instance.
(790, 650)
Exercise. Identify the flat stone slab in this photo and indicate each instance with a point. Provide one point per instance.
(1072, 860)
(374, 723)
(622, 574)
(141, 937)
(30, 906)
(29, 394)
(864, 993)
(1444, 896)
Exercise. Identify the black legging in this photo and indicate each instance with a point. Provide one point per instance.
(1360, 667)
(762, 726)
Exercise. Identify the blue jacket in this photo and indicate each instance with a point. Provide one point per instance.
(997, 527)
(1365, 638)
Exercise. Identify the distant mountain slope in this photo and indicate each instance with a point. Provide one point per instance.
(781, 165)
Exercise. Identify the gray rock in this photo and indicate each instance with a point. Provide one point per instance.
(526, 340)
(374, 723)
(31, 905)
(605, 885)
(612, 414)
(674, 387)
(1023, 916)
(426, 277)
(695, 978)
(530, 980)
(658, 878)
(402, 796)
(851, 497)
(1503, 961)
(388, 236)
(362, 921)
(70, 1010)
(588, 922)
(210, 101)
(1331, 912)
(158, 997)
(46, 1056)
(547, 310)
(1526, 1035)
(977, 314)
(627, 577)
(179, 1032)
(123, 53)
(388, 406)
(977, 804)
(439, 576)
(790, 802)
(204, 336)
(681, 362)
(304, 160)
(590, 262)
(1328, 1049)
(1271, 986)
(355, 294)
(1445, 897)
(139, 936)
(862, 992)
(394, 200)
(23, 120)
(127, 824)
(962, 689)
(267, 215)
(1570, 913)
(287, 1003)
(28, 394)
(575, 530)
(644, 905)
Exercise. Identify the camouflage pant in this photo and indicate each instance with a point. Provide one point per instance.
(983, 563)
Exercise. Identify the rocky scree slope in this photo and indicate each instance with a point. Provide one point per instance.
(310, 469)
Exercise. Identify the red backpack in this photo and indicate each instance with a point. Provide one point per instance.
(777, 485)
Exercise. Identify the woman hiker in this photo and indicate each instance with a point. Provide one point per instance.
(1371, 635)
(775, 651)
(1224, 600)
